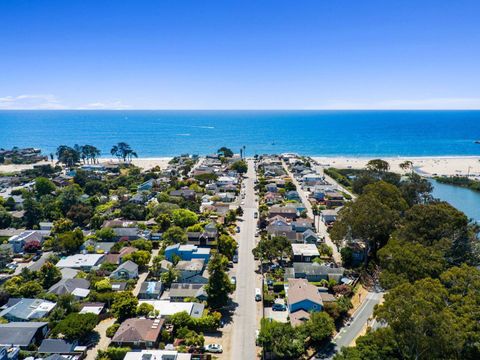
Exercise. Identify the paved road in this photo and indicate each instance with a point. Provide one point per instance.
(245, 318)
(104, 341)
(321, 228)
(349, 333)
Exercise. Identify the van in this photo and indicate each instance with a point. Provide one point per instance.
(255, 215)
(258, 294)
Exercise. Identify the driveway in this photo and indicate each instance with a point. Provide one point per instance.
(104, 341)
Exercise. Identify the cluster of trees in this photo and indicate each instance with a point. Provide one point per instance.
(284, 341)
(426, 250)
(72, 155)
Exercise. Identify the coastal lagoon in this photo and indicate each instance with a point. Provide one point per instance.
(463, 199)
(315, 133)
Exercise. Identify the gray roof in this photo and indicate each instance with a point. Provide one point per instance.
(68, 273)
(66, 286)
(187, 290)
(131, 232)
(19, 333)
(58, 346)
(129, 265)
(151, 287)
(316, 269)
(27, 309)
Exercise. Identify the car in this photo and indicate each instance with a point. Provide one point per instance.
(238, 229)
(214, 348)
(233, 280)
(235, 259)
(279, 307)
(257, 233)
(242, 203)
(258, 294)
(36, 257)
(255, 215)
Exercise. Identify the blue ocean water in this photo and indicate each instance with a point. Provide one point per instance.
(321, 133)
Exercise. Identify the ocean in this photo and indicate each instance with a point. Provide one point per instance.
(316, 133)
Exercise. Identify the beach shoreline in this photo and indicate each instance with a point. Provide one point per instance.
(424, 165)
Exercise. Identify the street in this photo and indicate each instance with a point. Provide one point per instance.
(245, 318)
(322, 228)
(349, 333)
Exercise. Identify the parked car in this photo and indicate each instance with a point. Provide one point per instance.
(258, 294)
(279, 307)
(238, 229)
(233, 280)
(214, 348)
(36, 257)
(235, 259)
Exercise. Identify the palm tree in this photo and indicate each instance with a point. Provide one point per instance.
(123, 151)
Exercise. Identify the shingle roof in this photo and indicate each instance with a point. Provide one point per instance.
(58, 346)
(301, 289)
(19, 333)
(67, 286)
(132, 330)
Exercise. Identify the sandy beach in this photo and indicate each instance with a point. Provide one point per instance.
(428, 166)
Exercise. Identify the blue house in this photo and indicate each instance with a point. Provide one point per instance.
(301, 295)
(187, 252)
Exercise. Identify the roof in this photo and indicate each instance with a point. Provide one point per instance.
(167, 308)
(305, 250)
(300, 290)
(190, 265)
(80, 260)
(92, 308)
(58, 346)
(68, 273)
(316, 269)
(132, 330)
(299, 317)
(151, 287)
(157, 355)
(19, 333)
(187, 290)
(129, 266)
(27, 309)
(67, 286)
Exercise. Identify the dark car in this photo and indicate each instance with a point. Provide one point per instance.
(279, 307)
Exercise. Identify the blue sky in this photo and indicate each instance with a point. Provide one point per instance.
(201, 54)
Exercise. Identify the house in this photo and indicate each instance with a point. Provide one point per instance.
(68, 273)
(328, 216)
(125, 233)
(187, 252)
(334, 199)
(138, 333)
(301, 225)
(187, 194)
(314, 272)
(166, 308)
(299, 207)
(92, 308)
(271, 198)
(299, 317)
(182, 291)
(118, 258)
(150, 290)
(26, 309)
(309, 237)
(187, 269)
(22, 334)
(9, 353)
(147, 185)
(304, 252)
(293, 195)
(127, 270)
(70, 286)
(157, 355)
(286, 212)
(81, 261)
(203, 238)
(301, 295)
(271, 187)
(19, 241)
(57, 346)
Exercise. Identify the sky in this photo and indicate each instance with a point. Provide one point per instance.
(262, 54)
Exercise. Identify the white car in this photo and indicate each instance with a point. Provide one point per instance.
(214, 348)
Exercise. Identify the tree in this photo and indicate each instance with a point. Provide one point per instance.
(174, 235)
(240, 166)
(416, 190)
(226, 152)
(169, 276)
(113, 353)
(403, 261)
(67, 155)
(80, 214)
(76, 326)
(124, 305)
(49, 275)
(33, 212)
(70, 241)
(5, 219)
(123, 151)
(103, 285)
(219, 285)
(164, 221)
(378, 165)
(144, 309)
(406, 165)
(111, 330)
(105, 234)
(281, 339)
(43, 186)
(226, 246)
(184, 217)
(140, 257)
(32, 246)
(319, 327)
(93, 187)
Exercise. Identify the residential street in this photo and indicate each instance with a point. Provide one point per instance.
(245, 319)
(349, 333)
(322, 229)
